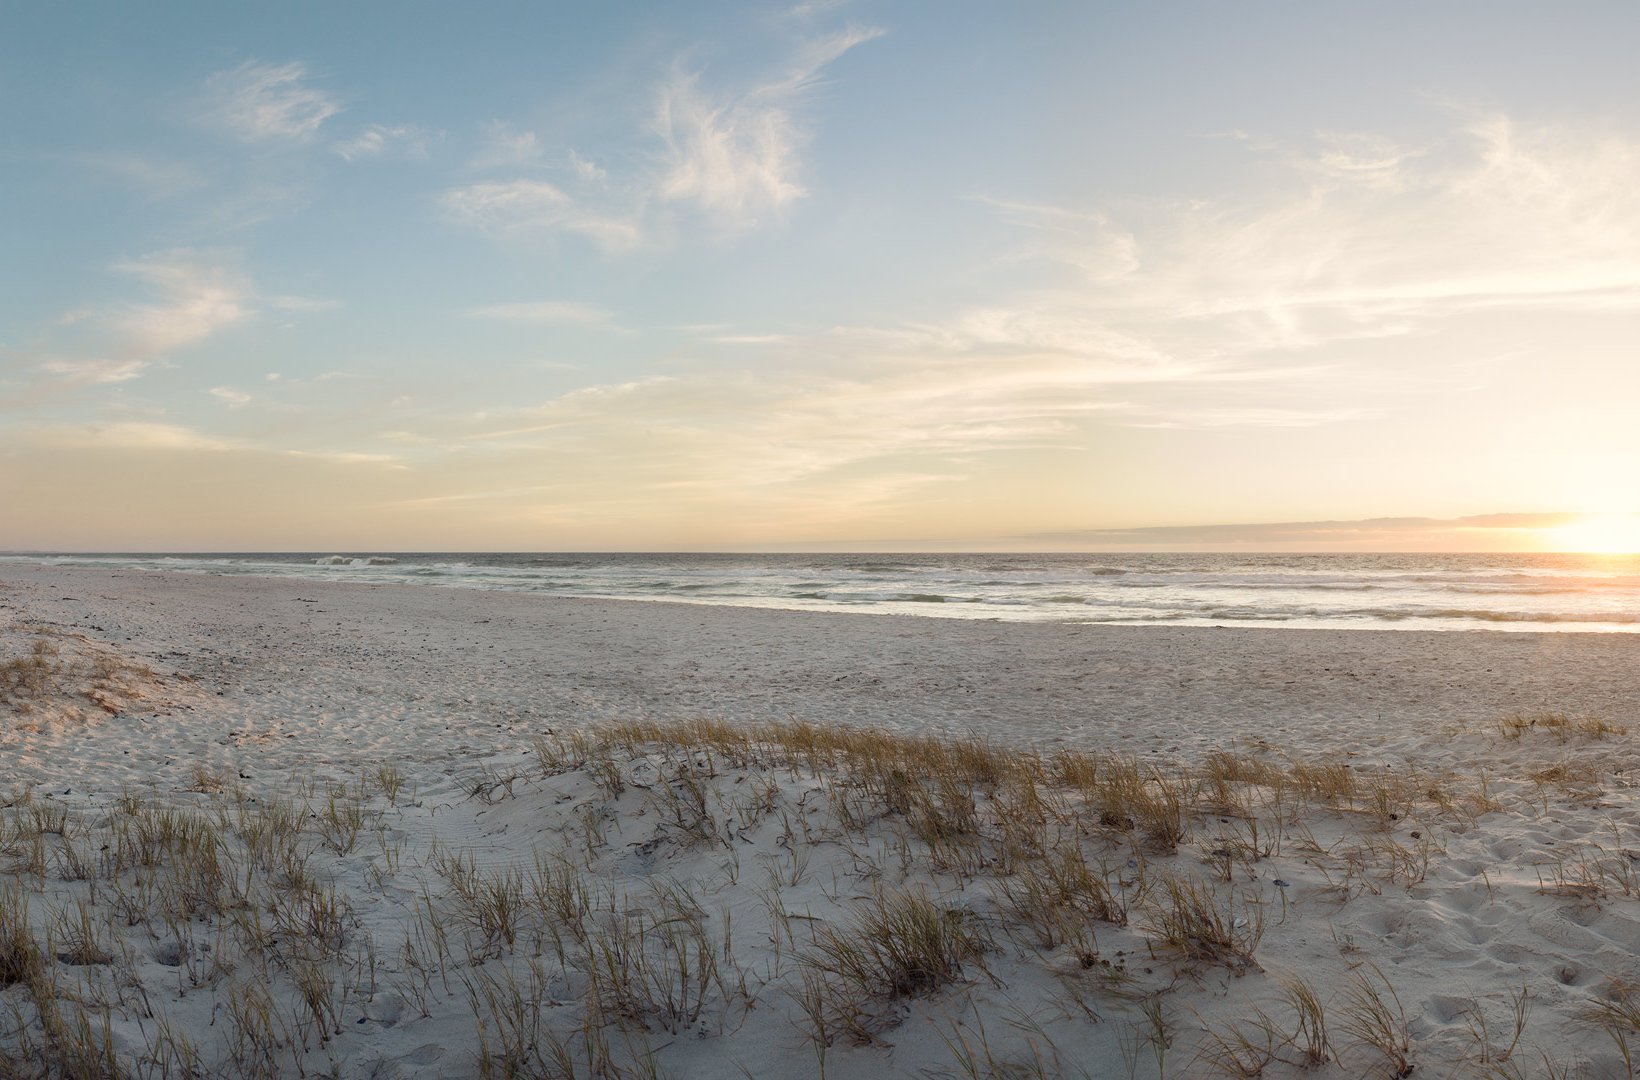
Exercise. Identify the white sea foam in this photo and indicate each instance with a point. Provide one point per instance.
(1498, 592)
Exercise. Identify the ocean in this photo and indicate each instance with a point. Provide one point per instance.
(1539, 592)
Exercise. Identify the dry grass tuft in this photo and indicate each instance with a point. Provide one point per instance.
(85, 681)
(901, 944)
(1375, 1018)
(1560, 726)
(680, 882)
(21, 958)
(1198, 922)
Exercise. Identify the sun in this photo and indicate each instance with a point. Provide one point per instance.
(1597, 534)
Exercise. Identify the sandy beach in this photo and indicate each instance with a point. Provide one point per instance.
(367, 670)
(1472, 867)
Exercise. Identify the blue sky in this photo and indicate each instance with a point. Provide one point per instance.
(549, 276)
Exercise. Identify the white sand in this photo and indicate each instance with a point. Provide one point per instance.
(271, 683)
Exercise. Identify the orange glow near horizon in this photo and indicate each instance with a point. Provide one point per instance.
(1597, 534)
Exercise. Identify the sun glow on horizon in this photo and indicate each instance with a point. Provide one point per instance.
(1597, 534)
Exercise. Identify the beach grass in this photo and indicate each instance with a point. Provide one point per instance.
(832, 891)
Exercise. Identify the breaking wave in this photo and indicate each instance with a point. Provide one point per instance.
(1401, 592)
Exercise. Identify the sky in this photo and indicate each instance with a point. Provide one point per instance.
(870, 275)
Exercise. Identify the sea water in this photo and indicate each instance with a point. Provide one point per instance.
(1540, 592)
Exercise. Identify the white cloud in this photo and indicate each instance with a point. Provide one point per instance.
(733, 154)
(1373, 238)
(96, 370)
(740, 430)
(548, 311)
(186, 297)
(380, 140)
(736, 155)
(810, 8)
(1360, 159)
(1368, 240)
(260, 101)
(141, 435)
(749, 339)
(234, 399)
(509, 203)
(501, 495)
(134, 435)
(1084, 239)
(1220, 416)
(507, 147)
(732, 161)
(530, 206)
(194, 297)
(587, 170)
(1475, 532)
(349, 457)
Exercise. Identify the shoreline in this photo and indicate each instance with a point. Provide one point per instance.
(271, 651)
(1522, 594)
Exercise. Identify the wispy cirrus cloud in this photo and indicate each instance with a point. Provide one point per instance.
(233, 399)
(132, 435)
(383, 140)
(95, 370)
(784, 448)
(1478, 532)
(184, 297)
(742, 430)
(192, 296)
(1271, 310)
(748, 339)
(585, 169)
(526, 206)
(159, 436)
(1367, 239)
(350, 457)
(1371, 238)
(1085, 239)
(737, 154)
(508, 147)
(258, 101)
(732, 154)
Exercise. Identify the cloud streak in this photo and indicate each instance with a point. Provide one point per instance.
(523, 207)
(1483, 532)
(268, 102)
(736, 155)
(732, 155)
(383, 140)
(1371, 238)
(186, 298)
(1366, 240)
(93, 370)
(193, 297)
(134, 435)
(738, 431)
